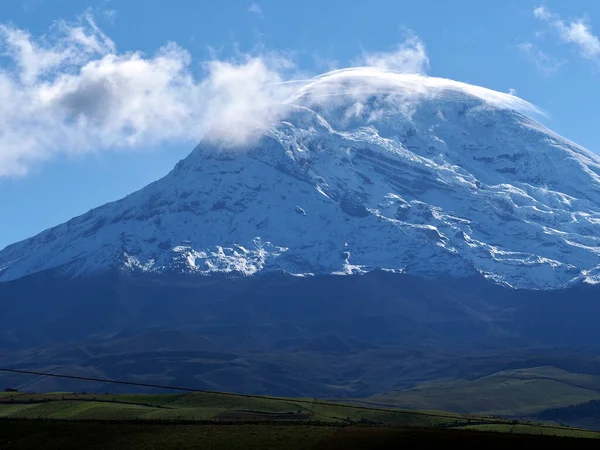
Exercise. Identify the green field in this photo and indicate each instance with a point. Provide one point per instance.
(233, 421)
(223, 408)
(209, 406)
(522, 392)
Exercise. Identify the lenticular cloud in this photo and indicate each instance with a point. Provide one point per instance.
(362, 82)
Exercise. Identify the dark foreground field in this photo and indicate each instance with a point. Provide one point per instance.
(64, 435)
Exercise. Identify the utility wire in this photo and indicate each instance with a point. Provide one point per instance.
(289, 400)
(127, 383)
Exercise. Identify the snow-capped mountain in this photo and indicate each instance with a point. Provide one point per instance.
(362, 170)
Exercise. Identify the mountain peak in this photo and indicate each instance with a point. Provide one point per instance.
(364, 170)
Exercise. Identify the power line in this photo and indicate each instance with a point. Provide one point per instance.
(262, 397)
(104, 380)
(205, 391)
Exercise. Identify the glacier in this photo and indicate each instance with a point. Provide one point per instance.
(362, 170)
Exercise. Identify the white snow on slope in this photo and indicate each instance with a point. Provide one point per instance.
(367, 170)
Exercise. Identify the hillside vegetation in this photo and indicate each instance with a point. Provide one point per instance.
(522, 392)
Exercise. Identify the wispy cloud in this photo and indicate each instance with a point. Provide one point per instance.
(324, 64)
(30, 5)
(546, 63)
(76, 44)
(575, 31)
(256, 9)
(73, 91)
(408, 57)
(109, 15)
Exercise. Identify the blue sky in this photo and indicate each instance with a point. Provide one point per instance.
(55, 53)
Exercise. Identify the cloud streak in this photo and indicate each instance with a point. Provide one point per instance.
(72, 91)
(546, 63)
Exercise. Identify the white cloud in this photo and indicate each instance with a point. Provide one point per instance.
(239, 99)
(256, 9)
(580, 33)
(546, 63)
(408, 57)
(576, 31)
(72, 91)
(542, 13)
